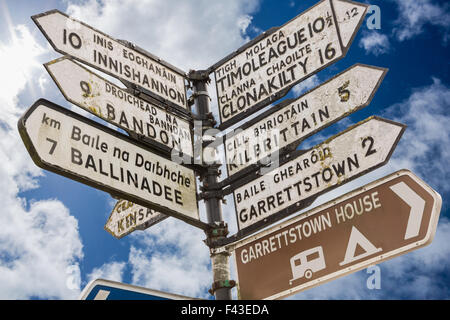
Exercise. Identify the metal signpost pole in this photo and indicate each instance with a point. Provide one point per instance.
(221, 287)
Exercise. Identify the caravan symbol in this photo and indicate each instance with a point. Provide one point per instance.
(307, 262)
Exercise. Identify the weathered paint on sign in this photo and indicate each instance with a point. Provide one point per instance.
(265, 69)
(127, 216)
(98, 50)
(66, 143)
(374, 223)
(291, 123)
(113, 104)
(350, 154)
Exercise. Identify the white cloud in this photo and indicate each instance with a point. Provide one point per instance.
(422, 150)
(109, 271)
(243, 22)
(171, 256)
(415, 15)
(306, 85)
(18, 60)
(40, 247)
(375, 43)
(423, 146)
(188, 36)
(43, 82)
(18, 64)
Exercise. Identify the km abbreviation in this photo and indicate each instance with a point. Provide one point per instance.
(50, 122)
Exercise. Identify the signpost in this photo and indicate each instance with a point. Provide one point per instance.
(115, 105)
(264, 70)
(127, 216)
(81, 149)
(342, 158)
(101, 289)
(98, 50)
(294, 120)
(386, 218)
(377, 222)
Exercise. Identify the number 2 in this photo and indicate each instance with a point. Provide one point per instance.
(370, 149)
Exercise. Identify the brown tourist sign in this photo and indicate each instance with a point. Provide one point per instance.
(379, 221)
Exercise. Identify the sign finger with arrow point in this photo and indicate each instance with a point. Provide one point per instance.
(342, 158)
(263, 70)
(127, 216)
(66, 143)
(293, 121)
(120, 108)
(98, 50)
(386, 218)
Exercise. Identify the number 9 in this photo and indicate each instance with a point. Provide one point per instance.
(86, 88)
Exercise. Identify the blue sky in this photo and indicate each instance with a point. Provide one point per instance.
(52, 241)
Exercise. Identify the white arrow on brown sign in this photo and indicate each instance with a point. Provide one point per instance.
(294, 120)
(118, 107)
(127, 216)
(340, 159)
(386, 218)
(266, 68)
(98, 50)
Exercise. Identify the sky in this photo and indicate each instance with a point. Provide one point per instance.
(52, 240)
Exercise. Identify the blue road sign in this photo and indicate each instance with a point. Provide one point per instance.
(101, 289)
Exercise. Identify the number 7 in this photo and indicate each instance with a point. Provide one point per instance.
(54, 143)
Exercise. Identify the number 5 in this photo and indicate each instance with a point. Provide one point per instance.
(343, 92)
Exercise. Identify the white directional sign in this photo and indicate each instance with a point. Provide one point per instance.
(90, 46)
(386, 218)
(266, 68)
(282, 126)
(81, 149)
(127, 216)
(113, 104)
(350, 154)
